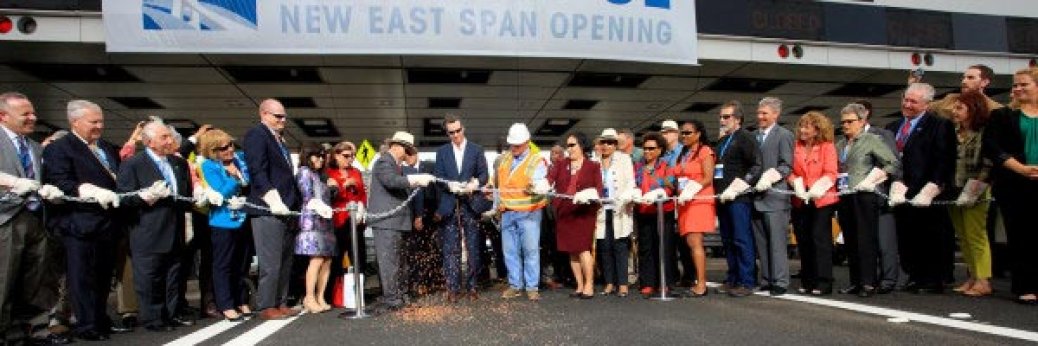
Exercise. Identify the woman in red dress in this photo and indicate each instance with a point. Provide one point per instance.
(347, 186)
(580, 177)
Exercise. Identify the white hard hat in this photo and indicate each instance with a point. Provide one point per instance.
(518, 134)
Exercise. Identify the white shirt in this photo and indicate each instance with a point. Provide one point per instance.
(459, 152)
(765, 132)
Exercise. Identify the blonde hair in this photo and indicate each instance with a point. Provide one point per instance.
(820, 122)
(210, 140)
(1033, 73)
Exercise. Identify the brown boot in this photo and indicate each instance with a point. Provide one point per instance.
(272, 314)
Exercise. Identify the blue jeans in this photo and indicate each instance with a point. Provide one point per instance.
(520, 242)
(737, 237)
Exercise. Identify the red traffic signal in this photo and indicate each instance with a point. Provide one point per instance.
(5, 24)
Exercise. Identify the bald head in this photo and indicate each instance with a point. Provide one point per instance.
(272, 114)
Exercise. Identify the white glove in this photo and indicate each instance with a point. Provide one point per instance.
(361, 214)
(489, 214)
(236, 203)
(876, 176)
(19, 186)
(769, 178)
(585, 196)
(472, 186)
(155, 192)
(633, 195)
(820, 187)
(689, 193)
(971, 192)
(104, 197)
(651, 196)
(50, 193)
(320, 208)
(455, 187)
(897, 193)
(420, 179)
(798, 189)
(737, 187)
(213, 197)
(273, 200)
(926, 195)
(541, 187)
(198, 194)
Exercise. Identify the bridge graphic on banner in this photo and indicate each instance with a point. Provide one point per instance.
(203, 15)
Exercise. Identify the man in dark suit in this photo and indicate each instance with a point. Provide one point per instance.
(464, 164)
(889, 262)
(389, 189)
(926, 144)
(156, 225)
(771, 209)
(273, 186)
(84, 165)
(28, 288)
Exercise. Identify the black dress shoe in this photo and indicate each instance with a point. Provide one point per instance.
(777, 291)
(158, 328)
(852, 289)
(765, 288)
(885, 290)
(181, 321)
(120, 329)
(91, 335)
(52, 339)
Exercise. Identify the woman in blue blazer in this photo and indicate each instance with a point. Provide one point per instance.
(225, 173)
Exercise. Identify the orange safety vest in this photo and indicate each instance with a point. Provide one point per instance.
(514, 183)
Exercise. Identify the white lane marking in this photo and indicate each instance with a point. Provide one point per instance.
(899, 315)
(261, 332)
(203, 334)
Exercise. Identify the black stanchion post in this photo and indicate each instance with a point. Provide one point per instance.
(663, 297)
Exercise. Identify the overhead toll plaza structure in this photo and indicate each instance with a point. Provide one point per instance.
(363, 69)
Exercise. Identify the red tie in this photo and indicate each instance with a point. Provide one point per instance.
(903, 134)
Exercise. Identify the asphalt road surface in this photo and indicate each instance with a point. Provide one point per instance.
(899, 318)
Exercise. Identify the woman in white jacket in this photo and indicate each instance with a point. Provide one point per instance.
(615, 221)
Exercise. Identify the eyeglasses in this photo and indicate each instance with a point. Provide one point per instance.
(726, 116)
(650, 148)
(847, 121)
(570, 145)
(224, 147)
(687, 133)
(451, 133)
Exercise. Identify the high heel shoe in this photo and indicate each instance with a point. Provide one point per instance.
(311, 306)
(325, 306)
(692, 292)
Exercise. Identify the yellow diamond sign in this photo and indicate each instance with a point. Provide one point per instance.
(365, 154)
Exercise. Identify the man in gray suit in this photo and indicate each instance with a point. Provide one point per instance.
(389, 189)
(771, 209)
(26, 289)
(889, 265)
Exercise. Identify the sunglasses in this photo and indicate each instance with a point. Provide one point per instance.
(570, 145)
(608, 142)
(224, 147)
(726, 116)
(451, 133)
(650, 148)
(687, 133)
(279, 116)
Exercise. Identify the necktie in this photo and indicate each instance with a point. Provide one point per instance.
(33, 202)
(167, 174)
(760, 137)
(902, 134)
(26, 159)
(101, 156)
(284, 149)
